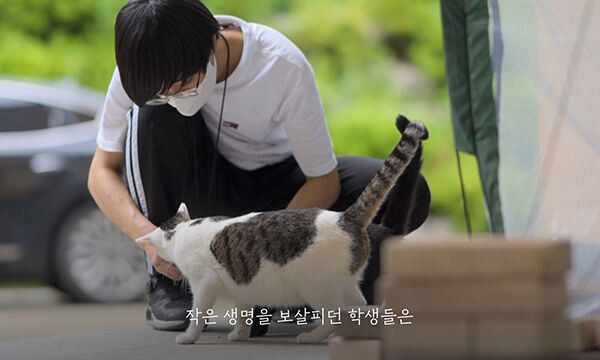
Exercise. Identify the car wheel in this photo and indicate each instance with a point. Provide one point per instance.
(95, 261)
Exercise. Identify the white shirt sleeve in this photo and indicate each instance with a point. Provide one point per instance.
(304, 121)
(113, 121)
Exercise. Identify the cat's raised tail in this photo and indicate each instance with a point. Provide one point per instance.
(368, 203)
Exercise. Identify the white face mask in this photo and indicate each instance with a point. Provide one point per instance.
(191, 105)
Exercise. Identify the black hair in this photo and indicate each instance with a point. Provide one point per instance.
(161, 42)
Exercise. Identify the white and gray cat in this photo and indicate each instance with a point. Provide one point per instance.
(282, 258)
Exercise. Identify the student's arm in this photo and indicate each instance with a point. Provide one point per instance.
(306, 127)
(320, 192)
(110, 193)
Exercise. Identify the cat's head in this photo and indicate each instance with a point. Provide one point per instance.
(163, 237)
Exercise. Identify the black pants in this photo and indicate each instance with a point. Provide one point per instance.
(170, 160)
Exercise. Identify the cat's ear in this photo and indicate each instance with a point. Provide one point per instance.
(146, 239)
(149, 238)
(184, 210)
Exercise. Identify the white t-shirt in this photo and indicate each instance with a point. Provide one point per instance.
(272, 107)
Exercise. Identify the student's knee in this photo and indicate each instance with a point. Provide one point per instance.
(407, 206)
(355, 173)
(422, 204)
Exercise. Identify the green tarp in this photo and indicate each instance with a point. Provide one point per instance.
(469, 76)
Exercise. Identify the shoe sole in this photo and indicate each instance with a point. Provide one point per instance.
(165, 325)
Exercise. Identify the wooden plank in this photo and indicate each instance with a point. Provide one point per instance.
(350, 327)
(597, 332)
(512, 296)
(354, 349)
(427, 338)
(480, 337)
(521, 337)
(485, 257)
(584, 333)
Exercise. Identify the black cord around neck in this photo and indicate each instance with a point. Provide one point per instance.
(214, 161)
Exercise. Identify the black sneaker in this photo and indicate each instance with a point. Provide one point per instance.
(168, 303)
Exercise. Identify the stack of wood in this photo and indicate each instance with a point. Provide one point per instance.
(586, 334)
(481, 299)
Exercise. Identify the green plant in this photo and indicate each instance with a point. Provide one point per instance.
(355, 47)
(367, 128)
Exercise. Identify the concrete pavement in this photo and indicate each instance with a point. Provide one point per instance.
(64, 319)
(64, 331)
(147, 344)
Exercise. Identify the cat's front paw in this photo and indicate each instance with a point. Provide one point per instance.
(307, 338)
(185, 338)
(237, 335)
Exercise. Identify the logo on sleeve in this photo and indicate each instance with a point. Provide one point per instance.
(231, 124)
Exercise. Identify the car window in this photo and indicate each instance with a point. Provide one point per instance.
(21, 116)
(17, 115)
(58, 117)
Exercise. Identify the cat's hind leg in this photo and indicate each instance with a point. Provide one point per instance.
(353, 296)
(327, 302)
(204, 298)
(241, 330)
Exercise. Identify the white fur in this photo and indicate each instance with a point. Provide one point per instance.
(320, 276)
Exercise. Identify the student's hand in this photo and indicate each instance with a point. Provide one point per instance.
(161, 265)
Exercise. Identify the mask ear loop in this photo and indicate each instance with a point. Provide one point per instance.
(214, 160)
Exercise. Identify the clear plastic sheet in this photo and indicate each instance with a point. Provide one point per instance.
(546, 59)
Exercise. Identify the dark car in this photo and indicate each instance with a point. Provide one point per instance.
(50, 228)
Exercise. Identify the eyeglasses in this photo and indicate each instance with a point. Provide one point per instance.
(163, 99)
